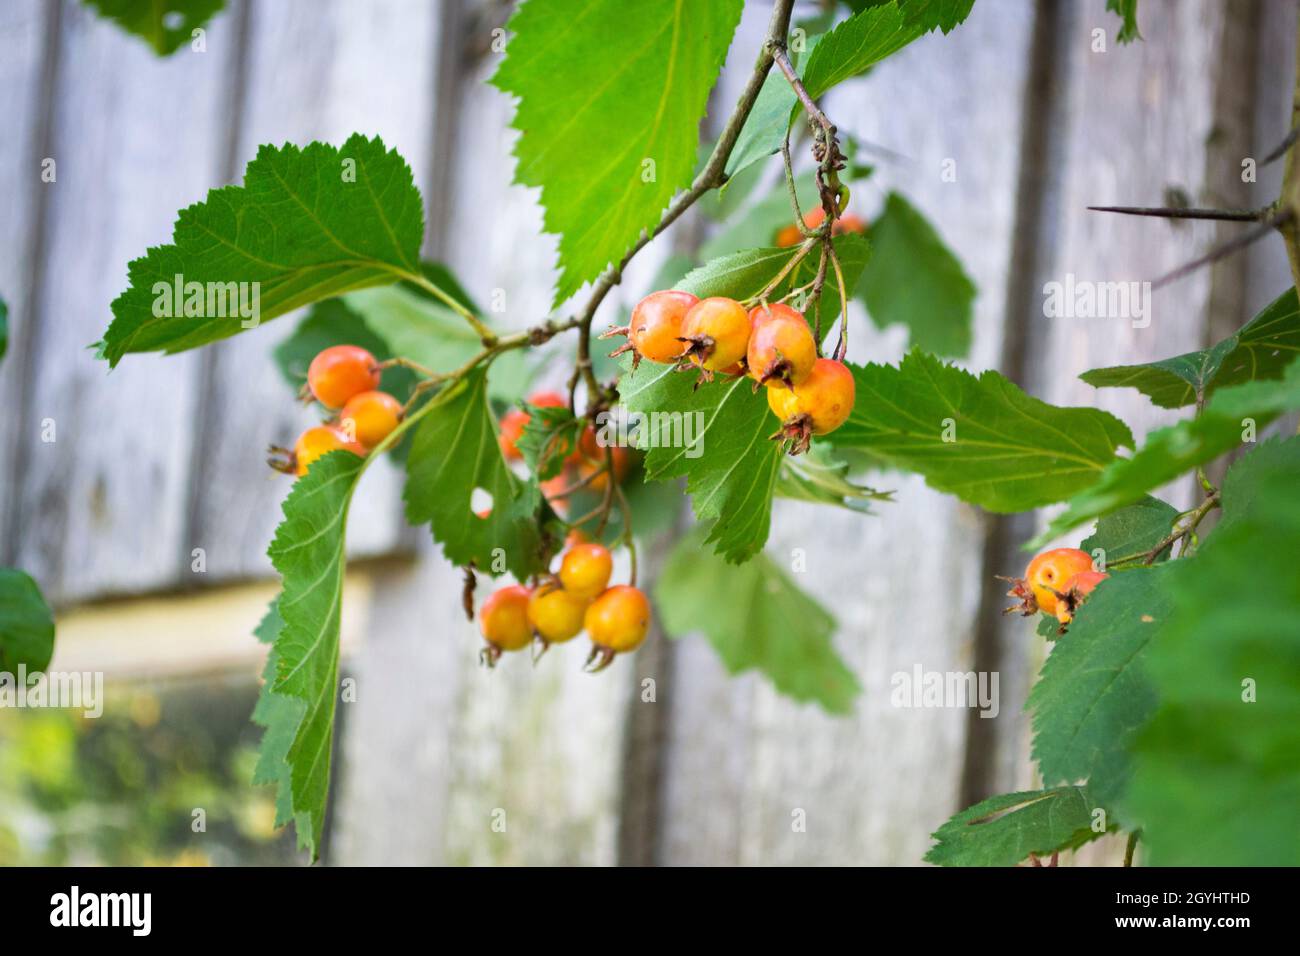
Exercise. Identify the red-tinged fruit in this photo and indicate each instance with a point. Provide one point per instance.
(556, 615)
(617, 622)
(514, 421)
(1046, 575)
(312, 444)
(791, 236)
(503, 621)
(340, 372)
(585, 570)
(654, 333)
(818, 405)
(716, 334)
(782, 350)
(370, 417)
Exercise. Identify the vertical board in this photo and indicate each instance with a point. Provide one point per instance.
(742, 760)
(316, 70)
(135, 139)
(23, 31)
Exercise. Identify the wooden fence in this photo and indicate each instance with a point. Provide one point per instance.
(163, 456)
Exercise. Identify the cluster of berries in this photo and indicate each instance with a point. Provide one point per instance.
(584, 466)
(772, 344)
(345, 379)
(788, 236)
(561, 605)
(1055, 582)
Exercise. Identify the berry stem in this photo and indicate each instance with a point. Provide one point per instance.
(486, 335)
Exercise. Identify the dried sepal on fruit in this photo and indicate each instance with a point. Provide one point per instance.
(617, 623)
(503, 621)
(655, 329)
(1075, 592)
(818, 405)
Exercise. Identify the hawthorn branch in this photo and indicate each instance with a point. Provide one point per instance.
(1168, 212)
(710, 177)
(1289, 201)
(1283, 221)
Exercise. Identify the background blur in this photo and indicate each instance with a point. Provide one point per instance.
(165, 456)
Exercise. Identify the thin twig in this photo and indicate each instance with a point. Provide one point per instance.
(1282, 147)
(1132, 847)
(1227, 249)
(1169, 212)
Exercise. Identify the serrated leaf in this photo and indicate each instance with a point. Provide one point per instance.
(716, 436)
(548, 439)
(769, 119)
(164, 24)
(280, 717)
(765, 623)
(1261, 349)
(1132, 530)
(604, 86)
(914, 280)
(26, 624)
(1216, 780)
(1171, 452)
(308, 554)
(301, 228)
(929, 15)
(1126, 10)
(454, 452)
(1010, 451)
(1005, 830)
(1094, 694)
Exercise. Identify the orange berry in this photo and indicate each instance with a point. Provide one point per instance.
(320, 440)
(556, 614)
(512, 426)
(503, 619)
(656, 327)
(591, 458)
(585, 570)
(782, 349)
(716, 331)
(1049, 572)
(370, 417)
(818, 405)
(341, 371)
(619, 619)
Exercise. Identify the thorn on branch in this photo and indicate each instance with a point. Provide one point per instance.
(1282, 147)
(1227, 249)
(1167, 212)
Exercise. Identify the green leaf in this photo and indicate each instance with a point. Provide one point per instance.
(1171, 452)
(762, 220)
(769, 119)
(455, 451)
(765, 623)
(1004, 830)
(308, 553)
(914, 280)
(549, 437)
(306, 225)
(164, 24)
(859, 42)
(818, 476)
(605, 86)
(1216, 780)
(1127, 11)
(1010, 452)
(929, 15)
(1132, 530)
(26, 624)
(280, 717)
(1094, 694)
(1261, 349)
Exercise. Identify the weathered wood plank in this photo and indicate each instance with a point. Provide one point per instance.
(135, 139)
(743, 761)
(25, 72)
(316, 70)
